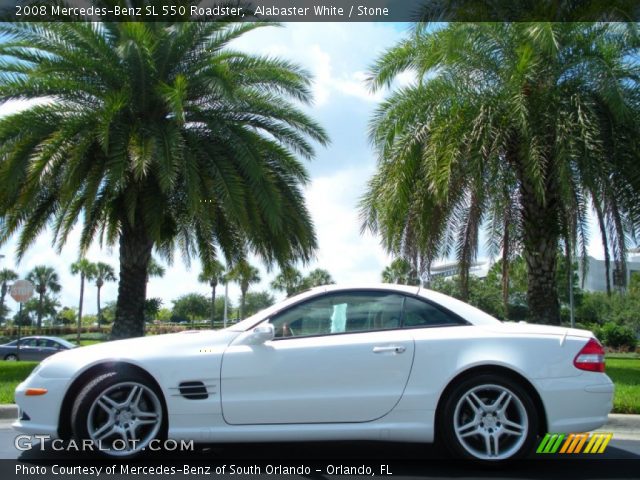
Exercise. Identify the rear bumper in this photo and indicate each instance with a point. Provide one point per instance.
(577, 404)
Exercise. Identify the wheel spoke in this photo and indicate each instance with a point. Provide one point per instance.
(108, 404)
(502, 402)
(136, 400)
(123, 433)
(512, 428)
(132, 431)
(468, 429)
(147, 422)
(135, 391)
(143, 414)
(487, 445)
(104, 431)
(496, 444)
(475, 402)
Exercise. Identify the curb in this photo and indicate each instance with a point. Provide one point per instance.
(8, 412)
(623, 427)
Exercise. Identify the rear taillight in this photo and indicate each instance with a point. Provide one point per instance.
(591, 357)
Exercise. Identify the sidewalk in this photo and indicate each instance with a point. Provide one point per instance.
(623, 427)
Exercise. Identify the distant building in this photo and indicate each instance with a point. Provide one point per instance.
(451, 269)
(595, 279)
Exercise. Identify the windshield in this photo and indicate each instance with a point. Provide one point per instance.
(65, 343)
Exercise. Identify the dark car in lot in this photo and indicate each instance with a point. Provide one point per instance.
(34, 348)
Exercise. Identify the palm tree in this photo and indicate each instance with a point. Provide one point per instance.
(245, 274)
(6, 276)
(103, 273)
(317, 277)
(154, 269)
(212, 274)
(289, 280)
(44, 279)
(155, 135)
(87, 271)
(400, 271)
(48, 308)
(516, 127)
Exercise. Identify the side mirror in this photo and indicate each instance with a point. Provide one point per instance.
(261, 334)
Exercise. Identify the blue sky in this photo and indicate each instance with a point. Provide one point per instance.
(337, 55)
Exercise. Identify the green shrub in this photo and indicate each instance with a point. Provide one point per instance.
(617, 336)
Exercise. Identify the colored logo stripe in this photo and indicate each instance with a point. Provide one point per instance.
(574, 443)
(550, 443)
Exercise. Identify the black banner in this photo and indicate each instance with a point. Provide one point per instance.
(321, 10)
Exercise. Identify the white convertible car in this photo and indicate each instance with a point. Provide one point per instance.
(382, 362)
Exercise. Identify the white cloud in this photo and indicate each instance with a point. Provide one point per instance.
(336, 54)
(349, 256)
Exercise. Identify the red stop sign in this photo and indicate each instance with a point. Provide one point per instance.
(21, 290)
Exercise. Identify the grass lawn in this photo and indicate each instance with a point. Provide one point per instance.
(12, 374)
(624, 371)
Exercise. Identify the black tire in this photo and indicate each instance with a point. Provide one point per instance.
(11, 358)
(488, 433)
(89, 414)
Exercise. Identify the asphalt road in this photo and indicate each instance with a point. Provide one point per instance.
(620, 460)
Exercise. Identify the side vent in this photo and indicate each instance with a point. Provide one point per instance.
(193, 390)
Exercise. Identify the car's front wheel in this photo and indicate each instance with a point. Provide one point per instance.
(120, 412)
(489, 418)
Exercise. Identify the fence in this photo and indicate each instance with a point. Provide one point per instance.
(69, 330)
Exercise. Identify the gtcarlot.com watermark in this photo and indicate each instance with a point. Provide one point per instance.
(45, 442)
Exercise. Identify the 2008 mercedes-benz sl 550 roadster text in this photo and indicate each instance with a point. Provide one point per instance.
(385, 362)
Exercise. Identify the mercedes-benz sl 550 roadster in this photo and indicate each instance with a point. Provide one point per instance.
(384, 362)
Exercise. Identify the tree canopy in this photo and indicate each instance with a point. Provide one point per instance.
(518, 128)
(151, 136)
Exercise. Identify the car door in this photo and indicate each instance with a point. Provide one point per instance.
(336, 358)
(28, 349)
(47, 348)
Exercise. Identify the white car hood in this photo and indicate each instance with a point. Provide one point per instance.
(136, 350)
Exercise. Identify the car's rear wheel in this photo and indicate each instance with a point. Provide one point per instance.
(120, 412)
(489, 418)
(11, 358)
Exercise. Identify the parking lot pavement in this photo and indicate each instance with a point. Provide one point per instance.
(624, 445)
(621, 460)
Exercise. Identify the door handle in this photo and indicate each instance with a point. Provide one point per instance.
(389, 349)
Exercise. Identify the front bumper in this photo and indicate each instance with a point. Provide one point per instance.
(43, 411)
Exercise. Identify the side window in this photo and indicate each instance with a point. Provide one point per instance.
(422, 314)
(340, 313)
(30, 342)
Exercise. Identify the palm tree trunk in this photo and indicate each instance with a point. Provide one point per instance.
(99, 310)
(242, 302)
(213, 303)
(3, 293)
(135, 252)
(80, 307)
(540, 238)
(605, 245)
(505, 270)
(40, 308)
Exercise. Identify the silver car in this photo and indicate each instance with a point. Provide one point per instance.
(34, 348)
